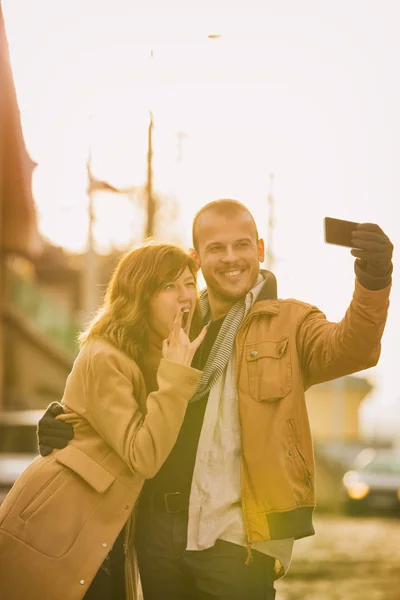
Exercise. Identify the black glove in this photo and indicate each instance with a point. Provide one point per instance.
(52, 433)
(373, 251)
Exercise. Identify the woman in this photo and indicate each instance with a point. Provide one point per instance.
(65, 512)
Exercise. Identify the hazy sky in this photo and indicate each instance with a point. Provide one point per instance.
(307, 90)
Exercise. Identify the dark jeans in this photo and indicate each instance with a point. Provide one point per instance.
(170, 572)
(109, 581)
(101, 586)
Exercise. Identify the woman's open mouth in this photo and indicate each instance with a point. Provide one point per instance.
(185, 317)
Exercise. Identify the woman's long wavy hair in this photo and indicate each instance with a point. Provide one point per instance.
(122, 320)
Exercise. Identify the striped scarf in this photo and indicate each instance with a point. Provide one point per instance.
(223, 345)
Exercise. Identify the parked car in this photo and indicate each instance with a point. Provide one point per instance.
(18, 445)
(373, 484)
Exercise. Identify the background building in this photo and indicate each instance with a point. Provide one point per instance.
(32, 359)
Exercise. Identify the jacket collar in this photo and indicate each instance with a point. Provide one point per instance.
(267, 299)
(269, 290)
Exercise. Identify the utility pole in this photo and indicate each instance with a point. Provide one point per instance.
(271, 223)
(149, 185)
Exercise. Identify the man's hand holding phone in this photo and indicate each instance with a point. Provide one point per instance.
(371, 247)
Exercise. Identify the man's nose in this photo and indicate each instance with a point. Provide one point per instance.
(229, 254)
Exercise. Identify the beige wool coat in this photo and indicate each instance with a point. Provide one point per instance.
(65, 511)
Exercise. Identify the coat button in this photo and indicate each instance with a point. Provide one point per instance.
(290, 453)
(82, 582)
(253, 353)
(104, 545)
(127, 506)
(281, 350)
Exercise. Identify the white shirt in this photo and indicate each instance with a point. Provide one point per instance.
(215, 499)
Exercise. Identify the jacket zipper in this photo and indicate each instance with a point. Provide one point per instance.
(247, 320)
(249, 558)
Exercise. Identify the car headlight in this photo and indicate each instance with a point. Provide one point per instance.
(357, 490)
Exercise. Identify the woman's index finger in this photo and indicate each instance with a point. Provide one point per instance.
(177, 324)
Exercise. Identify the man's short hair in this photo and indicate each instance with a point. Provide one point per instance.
(227, 207)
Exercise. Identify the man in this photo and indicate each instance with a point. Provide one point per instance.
(220, 517)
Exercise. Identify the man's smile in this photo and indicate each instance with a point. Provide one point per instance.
(232, 273)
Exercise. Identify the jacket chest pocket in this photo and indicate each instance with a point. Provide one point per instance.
(269, 369)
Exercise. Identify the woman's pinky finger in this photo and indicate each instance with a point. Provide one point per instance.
(200, 337)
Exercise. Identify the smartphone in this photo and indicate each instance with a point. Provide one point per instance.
(339, 232)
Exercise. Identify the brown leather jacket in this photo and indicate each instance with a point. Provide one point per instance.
(283, 347)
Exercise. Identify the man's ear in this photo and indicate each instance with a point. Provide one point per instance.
(195, 257)
(261, 250)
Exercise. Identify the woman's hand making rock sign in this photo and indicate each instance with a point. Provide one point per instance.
(178, 347)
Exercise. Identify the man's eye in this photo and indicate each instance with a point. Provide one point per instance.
(191, 284)
(215, 248)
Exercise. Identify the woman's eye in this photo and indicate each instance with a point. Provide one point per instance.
(191, 284)
(169, 286)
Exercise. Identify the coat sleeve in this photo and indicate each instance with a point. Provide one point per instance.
(331, 350)
(112, 410)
